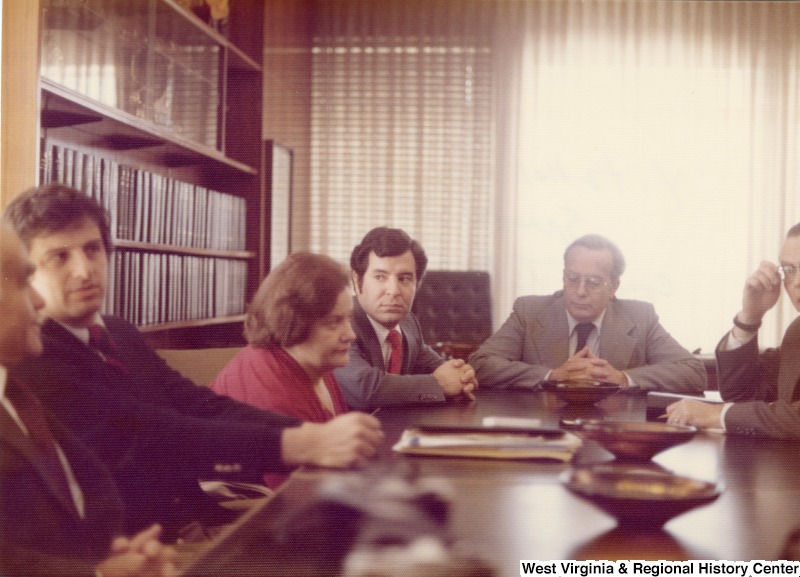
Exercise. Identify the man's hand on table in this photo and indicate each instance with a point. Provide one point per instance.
(695, 413)
(345, 441)
(456, 378)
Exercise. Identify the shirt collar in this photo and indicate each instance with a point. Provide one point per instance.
(381, 331)
(82, 333)
(598, 322)
(3, 380)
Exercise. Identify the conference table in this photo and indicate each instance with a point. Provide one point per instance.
(507, 510)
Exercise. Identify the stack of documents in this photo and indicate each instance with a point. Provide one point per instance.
(488, 442)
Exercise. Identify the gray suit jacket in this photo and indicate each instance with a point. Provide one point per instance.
(535, 340)
(763, 387)
(365, 382)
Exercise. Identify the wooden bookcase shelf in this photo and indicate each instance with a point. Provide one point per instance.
(74, 117)
(152, 111)
(169, 248)
(190, 324)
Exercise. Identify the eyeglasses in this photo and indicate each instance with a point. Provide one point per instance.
(592, 283)
(787, 271)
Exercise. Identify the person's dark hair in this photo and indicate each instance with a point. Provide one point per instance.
(301, 290)
(385, 241)
(597, 242)
(794, 231)
(54, 208)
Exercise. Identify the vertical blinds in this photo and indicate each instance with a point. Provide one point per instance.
(402, 128)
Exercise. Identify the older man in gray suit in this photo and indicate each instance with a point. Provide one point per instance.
(585, 332)
(761, 387)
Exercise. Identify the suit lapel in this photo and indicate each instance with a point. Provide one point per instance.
(60, 338)
(18, 441)
(616, 343)
(789, 371)
(370, 339)
(550, 334)
(67, 346)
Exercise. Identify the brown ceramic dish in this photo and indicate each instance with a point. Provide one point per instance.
(635, 441)
(639, 497)
(580, 392)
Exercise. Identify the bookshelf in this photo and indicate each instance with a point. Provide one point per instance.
(157, 113)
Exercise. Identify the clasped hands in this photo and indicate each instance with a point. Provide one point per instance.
(457, 379)
(142, 555)
(584, 365)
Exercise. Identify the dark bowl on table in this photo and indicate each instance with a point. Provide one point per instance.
(578, 392)
(638, 497)
(635, 441)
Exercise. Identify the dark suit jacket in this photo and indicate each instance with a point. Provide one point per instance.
(39, 534)
(156, 431)
(763, 387)
(535, 339)
(365, 382)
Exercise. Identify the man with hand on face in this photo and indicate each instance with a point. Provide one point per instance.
(60, 513)
(585, 332)
(389, 362)
(761, 387)
(156, 431)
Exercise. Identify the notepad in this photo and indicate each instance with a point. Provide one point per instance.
(485, 443)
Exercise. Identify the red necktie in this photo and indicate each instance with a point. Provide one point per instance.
(396, 358)
(31, 413)
(100, 339)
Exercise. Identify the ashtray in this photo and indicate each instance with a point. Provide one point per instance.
(639, 497)
(634, 441)
(579, 392)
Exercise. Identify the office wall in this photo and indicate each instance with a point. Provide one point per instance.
(287, 96)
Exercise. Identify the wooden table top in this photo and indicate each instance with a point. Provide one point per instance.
(513, 510)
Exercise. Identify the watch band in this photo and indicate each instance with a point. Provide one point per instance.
(745, 327)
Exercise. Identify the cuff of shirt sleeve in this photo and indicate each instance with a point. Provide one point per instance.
(722, 414)
(631, 383)
(733, 343)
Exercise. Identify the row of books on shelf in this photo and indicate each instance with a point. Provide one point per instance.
(149, 207)
(152, 288)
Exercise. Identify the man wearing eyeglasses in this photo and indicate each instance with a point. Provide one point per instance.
(585, 332)
(760, 388)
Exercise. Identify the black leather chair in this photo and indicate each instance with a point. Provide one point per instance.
(454, 309)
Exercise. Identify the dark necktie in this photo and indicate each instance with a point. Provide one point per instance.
(396, 358)
(100, 340)
(583, 330)
(31, 413)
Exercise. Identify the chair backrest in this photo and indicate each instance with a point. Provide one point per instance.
(454, 309)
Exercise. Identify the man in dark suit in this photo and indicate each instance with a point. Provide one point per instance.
(59, 508)
(157, 432)
(761, 388)
(623, 341)
(387, 267)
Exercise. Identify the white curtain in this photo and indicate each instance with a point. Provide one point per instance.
(401, 129)
(670, 127)
(497, 131)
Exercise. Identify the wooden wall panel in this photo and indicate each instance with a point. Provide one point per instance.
(287, 97)
(19, 116)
